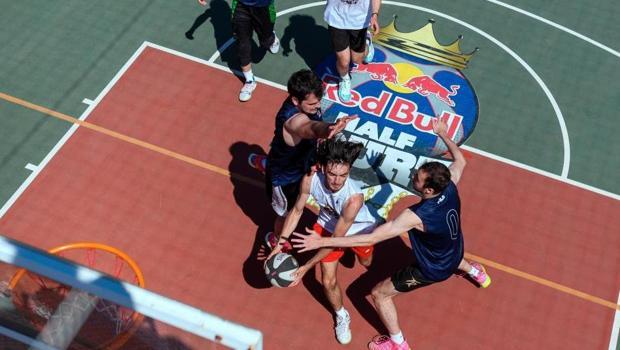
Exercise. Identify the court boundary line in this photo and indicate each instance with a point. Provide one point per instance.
(556, 108)
(557, 26)
(468, 148)
(72, 129)
(501, 267)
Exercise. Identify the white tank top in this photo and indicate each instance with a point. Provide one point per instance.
(332, 204)
(348, 14)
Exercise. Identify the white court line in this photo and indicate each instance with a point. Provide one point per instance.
(614, 338)
(468, 148)
(9, 203)
(31, 167)
(558, 26)
(87, 101)
(541, 83)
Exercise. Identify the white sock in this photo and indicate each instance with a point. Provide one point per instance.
(474, 271)
(346, 77)
(397, 338)
(342, 312)
(249, 76)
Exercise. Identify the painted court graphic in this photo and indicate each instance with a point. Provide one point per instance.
(396, 97)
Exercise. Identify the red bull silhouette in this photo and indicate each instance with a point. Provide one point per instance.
(425, 85)
(378, 71)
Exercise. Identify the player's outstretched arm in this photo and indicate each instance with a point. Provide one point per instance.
(404, 222)
(302, 127)
(293, 216)
(456, 169)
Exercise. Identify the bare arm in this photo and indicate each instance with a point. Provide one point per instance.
(301, 127)
(404, 222)
(456, 168)
(293, 216)
(352, 207)
(374, 17)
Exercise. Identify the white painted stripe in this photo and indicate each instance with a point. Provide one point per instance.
(68, 134)
(87, 101)
(541, 172)
(471, 149)
(558, 26)
(31, 167)
(614, 339)
(211, 64)
(554, 104)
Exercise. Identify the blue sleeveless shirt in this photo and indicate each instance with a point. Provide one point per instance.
(286, 164)
(439, 248)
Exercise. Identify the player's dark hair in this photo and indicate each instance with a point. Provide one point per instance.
(303, 83)
(438, 176)
(338, 151)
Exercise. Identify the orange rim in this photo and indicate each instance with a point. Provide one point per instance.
(136, 317)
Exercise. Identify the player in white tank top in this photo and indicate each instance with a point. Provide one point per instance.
(343, 212)
(333, 203)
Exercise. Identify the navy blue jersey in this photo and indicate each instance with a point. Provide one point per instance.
(439, 248)
(286, 164)
(256, 3)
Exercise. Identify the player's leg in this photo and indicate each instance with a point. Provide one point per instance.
(334, 296)
(264, 21)
(364, 255)
(404, 280)
(242, 31)
(476, 271)
(282, 200)
(357, 41)
(340, 43)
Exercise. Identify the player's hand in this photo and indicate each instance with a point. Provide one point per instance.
(307, 242)
(274, 251)
(202, 2)
(374, 25)
(339, 125)
(439, 126)
(299, 274)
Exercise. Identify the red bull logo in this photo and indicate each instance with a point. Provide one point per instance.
(421, 84)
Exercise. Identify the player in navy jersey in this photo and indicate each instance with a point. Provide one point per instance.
(299, 123)
(434, 229)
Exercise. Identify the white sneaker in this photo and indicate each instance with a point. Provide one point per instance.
(246, 91)
(343, 331)
(275, 47)
(344, 90)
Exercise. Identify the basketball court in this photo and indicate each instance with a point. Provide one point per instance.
(155, 164)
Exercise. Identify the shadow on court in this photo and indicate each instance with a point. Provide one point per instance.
(310, 40)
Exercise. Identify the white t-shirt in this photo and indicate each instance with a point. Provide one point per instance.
(332, 204)
(348, 14)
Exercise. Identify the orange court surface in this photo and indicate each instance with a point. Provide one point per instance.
(160, 171)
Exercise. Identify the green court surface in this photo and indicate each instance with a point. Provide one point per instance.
(547, 74)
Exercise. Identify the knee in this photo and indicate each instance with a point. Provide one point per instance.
(330, 283)
(366, 261)
(377, 294)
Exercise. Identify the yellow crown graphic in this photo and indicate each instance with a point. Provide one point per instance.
(422, 43)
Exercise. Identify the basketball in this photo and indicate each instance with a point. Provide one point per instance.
(280, 268)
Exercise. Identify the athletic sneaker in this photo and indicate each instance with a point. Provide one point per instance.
(481, 277)
(258, 162)
(383, 342)
(246, 91)
(344, 90)
(343, 331)
(371, 49)
(272, 240)
(275, 46)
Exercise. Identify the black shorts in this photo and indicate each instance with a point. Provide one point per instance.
(282, 198)
(409, 278)
(355, 39)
